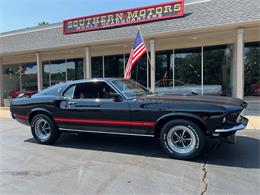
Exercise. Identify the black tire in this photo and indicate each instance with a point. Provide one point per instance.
(50, 136)
(189, 146)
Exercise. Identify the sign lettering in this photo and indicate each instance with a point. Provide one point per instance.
(124, 17)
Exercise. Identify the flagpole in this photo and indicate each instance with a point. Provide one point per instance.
(148, 58)
(140, 49)
(20, 78)
(145, 45)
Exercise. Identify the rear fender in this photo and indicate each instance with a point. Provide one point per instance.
(35, 111)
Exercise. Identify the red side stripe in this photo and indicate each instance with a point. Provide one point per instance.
(105, 122)
(23, 117)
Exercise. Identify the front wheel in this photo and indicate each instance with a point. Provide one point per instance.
(44, 130)
(182, 139)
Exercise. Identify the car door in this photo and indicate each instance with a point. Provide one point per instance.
(93, 111)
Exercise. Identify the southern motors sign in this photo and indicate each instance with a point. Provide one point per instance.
(124, 17)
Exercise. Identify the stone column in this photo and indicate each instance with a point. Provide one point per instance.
(152, 50)
(88, 71)
(39, 71)
(238, 65)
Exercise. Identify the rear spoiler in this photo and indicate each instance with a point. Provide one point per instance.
(23, 95)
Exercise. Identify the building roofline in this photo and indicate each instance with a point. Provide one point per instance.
(211, 28)
(31, 29)
(59, 24)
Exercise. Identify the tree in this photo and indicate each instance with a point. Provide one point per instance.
(43, 23)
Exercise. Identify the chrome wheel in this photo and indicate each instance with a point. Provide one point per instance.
(42, 129)
(181, 139)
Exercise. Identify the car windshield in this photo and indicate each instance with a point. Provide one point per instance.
(130, 88)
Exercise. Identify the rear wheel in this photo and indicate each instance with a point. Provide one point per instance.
(182, 139)
(44, 130)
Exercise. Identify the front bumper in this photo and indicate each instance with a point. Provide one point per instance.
(239, 126)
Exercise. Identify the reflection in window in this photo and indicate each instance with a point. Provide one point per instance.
(74, 69)
(181, 76)
(19, 78)
(114, 66)
(58, 71)
(188, 66)
(164, 69)
(11, 80)
(29, 76)
(139, 73)
(184, 77)
(46, 74)
(97, 67)
(252, 69)
(217, 62)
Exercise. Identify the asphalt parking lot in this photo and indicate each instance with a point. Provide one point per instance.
(102, 164)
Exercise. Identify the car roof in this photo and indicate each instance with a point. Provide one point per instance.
(93, 80)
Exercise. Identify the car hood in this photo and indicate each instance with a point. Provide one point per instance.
(194, 99)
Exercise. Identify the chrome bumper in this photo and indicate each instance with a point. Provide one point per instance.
(237, 127)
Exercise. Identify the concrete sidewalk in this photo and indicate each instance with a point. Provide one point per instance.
(254, 121)
(5, 112)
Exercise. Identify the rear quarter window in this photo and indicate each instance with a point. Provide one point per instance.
(53, 90)
(69, 93)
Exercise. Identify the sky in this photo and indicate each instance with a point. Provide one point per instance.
(19, 14)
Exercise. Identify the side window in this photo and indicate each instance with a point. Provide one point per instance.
(69, 93)
(93, 90)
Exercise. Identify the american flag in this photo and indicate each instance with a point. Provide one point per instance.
(137, 52)
(22, 69)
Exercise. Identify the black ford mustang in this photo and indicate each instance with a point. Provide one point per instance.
(117, 106)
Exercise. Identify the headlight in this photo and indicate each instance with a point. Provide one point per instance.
(232, 117)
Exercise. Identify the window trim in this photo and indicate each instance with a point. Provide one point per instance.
(63, 93)
(92, 81)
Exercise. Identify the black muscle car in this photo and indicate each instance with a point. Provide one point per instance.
(124, 107)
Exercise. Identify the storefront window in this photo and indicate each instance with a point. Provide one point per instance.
(11, 79)
(29, 77)
(97, 67)
(74, 69)
(188, 66)
(164, 74)
(46, 74)
(139, 73)
(252, 69)
(58, 71)
(19, 78)
(217, 62)
(114, 66)
(179, 71)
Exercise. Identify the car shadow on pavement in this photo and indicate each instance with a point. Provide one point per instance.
(244, 154)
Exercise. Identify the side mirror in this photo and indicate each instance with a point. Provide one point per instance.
(116, 97)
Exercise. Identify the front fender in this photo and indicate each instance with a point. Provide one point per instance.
(184, 116)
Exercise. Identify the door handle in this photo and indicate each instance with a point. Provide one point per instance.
(88, 106)
(72, 103)
(94, 106)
